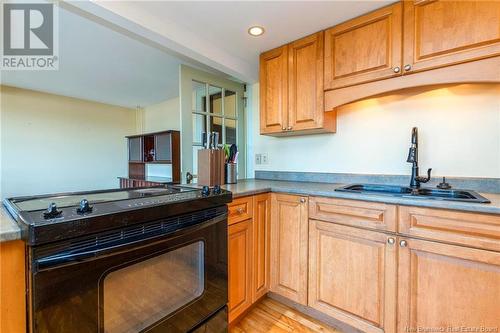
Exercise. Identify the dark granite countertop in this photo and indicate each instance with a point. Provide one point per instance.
(256, 186)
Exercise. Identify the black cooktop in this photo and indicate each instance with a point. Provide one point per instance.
(33, 203)
(49, 218)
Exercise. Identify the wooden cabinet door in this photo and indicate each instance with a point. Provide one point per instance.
(352, 275)
(289, 246)
(240, 265)
(364, 49)
(12, 286)
(442, 286)
(439, 33)
(274, 90)
(135, 149)
(163, 147)
(305, 83)
(261, 242)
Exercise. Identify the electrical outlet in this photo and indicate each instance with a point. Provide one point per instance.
(264, 159)
(258, 159)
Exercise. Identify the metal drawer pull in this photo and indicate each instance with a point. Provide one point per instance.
(302, 200)
(407, 67)
(403, 243)
(391, 241)
(396, 69)
(240, 210)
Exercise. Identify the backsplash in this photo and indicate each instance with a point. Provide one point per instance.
(459, 132)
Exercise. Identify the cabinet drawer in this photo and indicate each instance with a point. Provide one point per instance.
(240, 209)
(470, 229)
(355, 213)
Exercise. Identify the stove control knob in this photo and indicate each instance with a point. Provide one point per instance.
(217, 189)
(52, 212)
(85, 207)
(205, 191)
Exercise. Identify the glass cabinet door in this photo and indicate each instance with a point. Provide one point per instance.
(135, 149)
(163, 147)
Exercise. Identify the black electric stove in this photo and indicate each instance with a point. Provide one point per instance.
(132, 260)
(54, 217)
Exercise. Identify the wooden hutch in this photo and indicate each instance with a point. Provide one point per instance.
(152, 148)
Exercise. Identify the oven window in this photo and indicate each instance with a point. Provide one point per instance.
(139, 295)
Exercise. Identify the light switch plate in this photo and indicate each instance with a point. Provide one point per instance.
(258, 159)
(264, 158)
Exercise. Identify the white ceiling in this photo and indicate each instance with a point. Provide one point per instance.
(219, 28)
(100, 64)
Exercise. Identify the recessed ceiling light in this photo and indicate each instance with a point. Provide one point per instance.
(255, 31)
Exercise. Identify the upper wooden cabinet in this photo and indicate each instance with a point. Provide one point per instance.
(289, 239)
(364, 49)
(291, 89)
(439, 33)
(411, 44)
(305, 83)
(274, 90)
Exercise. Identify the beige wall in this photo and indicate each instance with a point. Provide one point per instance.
(162, 116)
(52, 143)
(459, 130)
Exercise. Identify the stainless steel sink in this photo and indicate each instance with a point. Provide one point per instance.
(424, 193)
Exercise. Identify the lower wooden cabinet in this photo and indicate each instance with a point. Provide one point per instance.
(388, 282)
(249, 252)
(352, 275)
(240, 266)
(447, 288)
(289, 239)
(12, 287)
(377, 281)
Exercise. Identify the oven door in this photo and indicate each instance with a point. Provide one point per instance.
(170, 283)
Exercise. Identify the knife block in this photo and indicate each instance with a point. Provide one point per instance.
(211, 167)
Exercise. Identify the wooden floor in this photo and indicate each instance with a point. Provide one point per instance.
(270, 316)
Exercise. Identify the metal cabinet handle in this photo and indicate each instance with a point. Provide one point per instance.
(283, 129)
(403, 243)
(239, 210)
(391, 241)
(302, 200)
(289, 128)
(396, 69)
(407, 67)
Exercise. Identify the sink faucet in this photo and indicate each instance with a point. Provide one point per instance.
(413, 158)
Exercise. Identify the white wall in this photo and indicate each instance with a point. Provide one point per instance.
(52, 143)
(459, 132)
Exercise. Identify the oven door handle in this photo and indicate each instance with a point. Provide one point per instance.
(65, 259)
